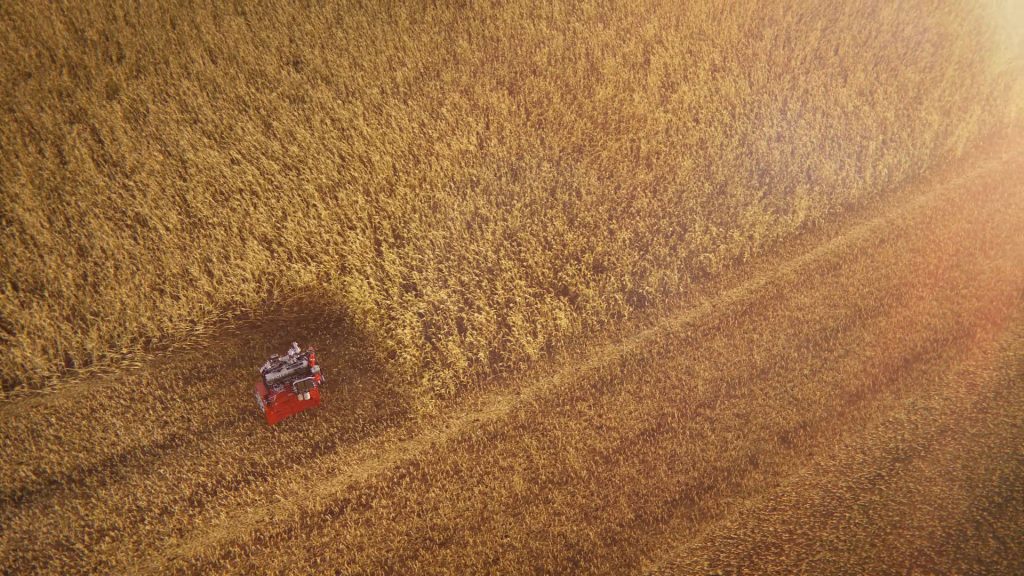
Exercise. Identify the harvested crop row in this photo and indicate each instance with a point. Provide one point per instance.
(932, 484)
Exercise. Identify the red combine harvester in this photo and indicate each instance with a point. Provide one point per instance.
(290, 384)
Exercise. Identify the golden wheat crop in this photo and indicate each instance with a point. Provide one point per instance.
(469, 186)
(848, 402)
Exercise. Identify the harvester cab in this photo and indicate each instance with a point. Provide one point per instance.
(289, 384)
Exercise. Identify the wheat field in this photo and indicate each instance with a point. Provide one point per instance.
(469, 188)
(848, 403)
(599, 287)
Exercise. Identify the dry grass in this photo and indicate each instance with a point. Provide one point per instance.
(472, 187)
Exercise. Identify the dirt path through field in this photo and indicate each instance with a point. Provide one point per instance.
(801, 417)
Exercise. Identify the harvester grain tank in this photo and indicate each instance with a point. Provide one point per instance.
(289, 384)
